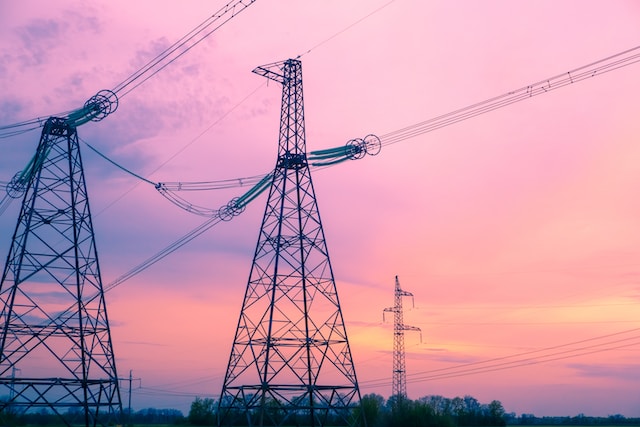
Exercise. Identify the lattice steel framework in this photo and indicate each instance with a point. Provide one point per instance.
(399, 387)
(55, 349)
(290, 363)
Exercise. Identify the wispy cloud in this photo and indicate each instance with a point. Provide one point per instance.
(38, 40)
(617, 372)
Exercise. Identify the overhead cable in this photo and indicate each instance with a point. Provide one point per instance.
(227, 212)
(183, 45)
(594, 69)
(105, 102)
(119, 166)
(614, 341)
(352, 150)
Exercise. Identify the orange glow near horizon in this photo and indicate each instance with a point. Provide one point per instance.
(517, 231)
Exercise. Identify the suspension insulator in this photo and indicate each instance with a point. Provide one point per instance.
(235, 206)
(355, 149)
(372, 144)
(101, 105)
(16, 187)
(225, 214)
(230, 210)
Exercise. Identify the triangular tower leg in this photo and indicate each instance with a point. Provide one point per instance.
(290, 363)
(55, 344)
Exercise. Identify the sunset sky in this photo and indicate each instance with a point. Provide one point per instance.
(517, 231)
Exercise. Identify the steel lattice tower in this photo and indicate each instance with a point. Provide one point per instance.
(290, 362)
(55, 332)
(399, 388)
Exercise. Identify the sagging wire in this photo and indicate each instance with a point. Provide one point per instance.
(211, 185)
(352, 150)
(533, 357)
(114, 163)
(242, 201)
(225, 213)
(185, 44)
(355, 149)
(603, 66)
(168, 190)
(105, 101)
(16, 188)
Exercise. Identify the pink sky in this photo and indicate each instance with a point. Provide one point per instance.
(516, 230)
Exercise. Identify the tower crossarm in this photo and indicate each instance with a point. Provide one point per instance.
(272, 71)
(388, 310)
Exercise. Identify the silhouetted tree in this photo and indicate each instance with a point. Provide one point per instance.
(201, 412)
(496, 414)
(372, 407)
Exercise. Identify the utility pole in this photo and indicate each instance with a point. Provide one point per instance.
(399, 388)
(130, 379)
(129, 409)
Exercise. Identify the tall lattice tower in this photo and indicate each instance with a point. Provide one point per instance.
(55, 344)
(290, 362)
(399, 388)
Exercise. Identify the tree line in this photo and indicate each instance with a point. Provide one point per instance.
(578, 420)
(431, 411)
(397, 411)
(434, 411)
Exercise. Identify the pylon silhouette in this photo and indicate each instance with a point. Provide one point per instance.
(399, 387)
(55, 333)
(290, 362)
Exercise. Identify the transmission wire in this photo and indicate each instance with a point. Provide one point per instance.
(388, 139)
(181, 43)
(172, 247)
(348, 27)
(14, 129)
(119, 166)
(154, 66)
(593, 69)
(456, 116)
(460, 370)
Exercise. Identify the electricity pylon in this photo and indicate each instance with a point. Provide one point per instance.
(399, 388)
(290, 362)
(55, 331)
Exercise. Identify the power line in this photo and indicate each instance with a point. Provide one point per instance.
(106, 101)
(183, 45)
(348, 27)
(532, 357)
(597, 68)
(473, 368)
(119, 166)
(605, 65)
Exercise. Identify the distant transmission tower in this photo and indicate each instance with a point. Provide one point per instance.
(399, 388)
(290, 363)
(53, 318)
